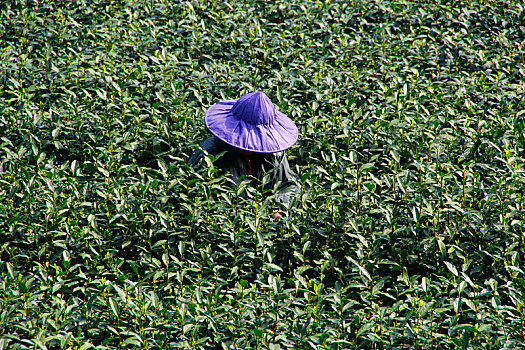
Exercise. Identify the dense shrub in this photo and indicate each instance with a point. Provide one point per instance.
(408, 232)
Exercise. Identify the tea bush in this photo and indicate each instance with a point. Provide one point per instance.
(407, 233)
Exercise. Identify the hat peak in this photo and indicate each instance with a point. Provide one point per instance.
(254, 108)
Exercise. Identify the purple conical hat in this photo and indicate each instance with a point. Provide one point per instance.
(251, 123)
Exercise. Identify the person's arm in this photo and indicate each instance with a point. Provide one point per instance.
(288, 185)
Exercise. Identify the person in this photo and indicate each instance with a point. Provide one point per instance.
(253, 136)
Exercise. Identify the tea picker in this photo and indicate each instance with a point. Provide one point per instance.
(254, 136)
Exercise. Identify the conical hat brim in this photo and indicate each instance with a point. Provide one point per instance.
(276, 137)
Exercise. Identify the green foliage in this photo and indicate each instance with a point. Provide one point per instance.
(408, 232)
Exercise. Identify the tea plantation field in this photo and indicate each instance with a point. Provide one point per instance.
(408, 232)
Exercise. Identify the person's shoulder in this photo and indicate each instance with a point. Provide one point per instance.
(213, 145)
(278, 156)
(275, 159)
(208, 146)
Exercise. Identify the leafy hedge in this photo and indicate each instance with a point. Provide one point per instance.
(408, 232)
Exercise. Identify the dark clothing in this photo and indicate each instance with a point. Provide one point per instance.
(254, 166)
